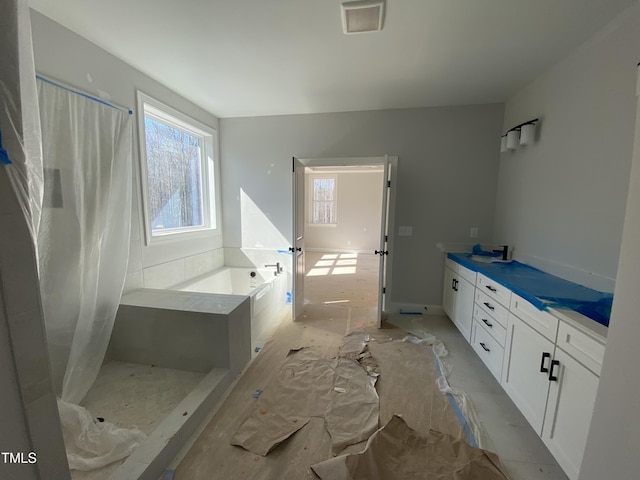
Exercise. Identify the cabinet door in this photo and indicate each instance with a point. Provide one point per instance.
(463, 307)
(527, 353)
(569, 409)
(448, 292)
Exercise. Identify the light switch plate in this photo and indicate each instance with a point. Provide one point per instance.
(405, 231)
(474, 232)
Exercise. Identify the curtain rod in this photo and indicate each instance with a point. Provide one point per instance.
(83, 94)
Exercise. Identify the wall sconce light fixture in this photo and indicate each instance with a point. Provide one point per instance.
(523, 134)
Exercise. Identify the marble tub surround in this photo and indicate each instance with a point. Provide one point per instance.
(177, 271)
(183, 330)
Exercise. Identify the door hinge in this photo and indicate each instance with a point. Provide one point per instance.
(388, 183)
(293, 164)
(384, 289)
(386, 238)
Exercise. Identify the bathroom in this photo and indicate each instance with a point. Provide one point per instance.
(501, 197)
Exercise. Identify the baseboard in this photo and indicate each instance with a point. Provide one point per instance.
(418, 308)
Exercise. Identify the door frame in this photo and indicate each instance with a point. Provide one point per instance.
(368, 160)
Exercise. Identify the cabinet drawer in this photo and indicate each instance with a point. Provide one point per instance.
(493, 308)
(461, 271)
(499, 293)
(497, 331)
(587, 350)
(488, 349)
(467, 274)
(542, 322)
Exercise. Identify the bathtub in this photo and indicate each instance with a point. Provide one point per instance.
(267, 292)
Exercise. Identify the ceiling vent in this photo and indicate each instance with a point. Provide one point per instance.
(362, 16)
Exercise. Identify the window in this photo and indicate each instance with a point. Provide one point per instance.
(323, 200)
(177, 156)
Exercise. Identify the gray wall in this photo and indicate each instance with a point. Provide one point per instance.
(613, 443)
(561, 201)
(359, 212)
(65, 56)
(447, 171)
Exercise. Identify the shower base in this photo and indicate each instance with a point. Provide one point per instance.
(129, 394)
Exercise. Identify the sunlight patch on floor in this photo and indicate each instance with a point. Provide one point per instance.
(335, 264)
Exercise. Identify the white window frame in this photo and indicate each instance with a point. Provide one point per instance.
(149, 106)
(312, 177)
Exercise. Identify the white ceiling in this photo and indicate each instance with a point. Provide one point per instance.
(268, 57)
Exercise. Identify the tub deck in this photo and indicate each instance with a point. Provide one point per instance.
(188, 331)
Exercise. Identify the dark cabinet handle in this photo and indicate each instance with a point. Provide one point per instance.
(489, 306)
(552, 377)
(484, 347)
(544, 369)
(491, 289)
(486, 322)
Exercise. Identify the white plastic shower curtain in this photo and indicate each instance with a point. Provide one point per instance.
(68, 157)
(83, 240)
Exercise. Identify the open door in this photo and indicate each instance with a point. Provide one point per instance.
(297, 250)
(384, 239)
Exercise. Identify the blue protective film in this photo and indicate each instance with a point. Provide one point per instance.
(542, 289)
(4, 156)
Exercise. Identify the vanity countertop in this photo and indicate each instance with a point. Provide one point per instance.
(542, 289)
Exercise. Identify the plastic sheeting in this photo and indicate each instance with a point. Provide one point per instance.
(92, 444)
(83, 241)
(83, 245)
(542, 289)
(68, 158)
(20, 147)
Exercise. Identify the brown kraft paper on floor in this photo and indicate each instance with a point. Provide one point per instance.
(338, 390)
(396, 452)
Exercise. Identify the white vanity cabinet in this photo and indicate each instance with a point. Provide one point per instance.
(458, 296)
(548, 361)
(577, 362)
(525, 372)
(551, 372)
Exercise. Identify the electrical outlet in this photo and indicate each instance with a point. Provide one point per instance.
(405, 231)
(474, 232)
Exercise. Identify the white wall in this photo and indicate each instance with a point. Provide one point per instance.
(561, 201)
(64, 56)
(447, 172)
(359, 212)
(613, 443)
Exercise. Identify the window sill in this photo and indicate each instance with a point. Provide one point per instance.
(183, 236)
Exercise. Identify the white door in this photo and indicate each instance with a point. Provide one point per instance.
(572, 396)
(463, 306)
(525, 375)
(384, 239)
(297, 250)
(448, 292)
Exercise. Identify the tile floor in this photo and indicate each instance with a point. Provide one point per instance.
(339, 300)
